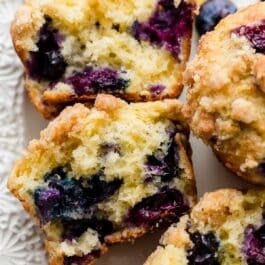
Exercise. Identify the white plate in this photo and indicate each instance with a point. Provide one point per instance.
(20, 241)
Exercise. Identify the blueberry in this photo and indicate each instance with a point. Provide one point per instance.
(204, 251)
(165, 206)
(47, 199)
(66, 198)
(72, 201)
(74, 229)
(164, 166)
(47, 64)
(211, 12)
(254, 245)
(98, 190)
(97, 81)
(84, 260)
(167, 26)
(255, 34)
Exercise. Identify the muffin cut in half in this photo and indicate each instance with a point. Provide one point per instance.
(226, 100)
(226, 227)
(106, 175)
(73, 50)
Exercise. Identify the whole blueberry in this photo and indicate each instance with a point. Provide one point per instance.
(211, 12)
(204, 251)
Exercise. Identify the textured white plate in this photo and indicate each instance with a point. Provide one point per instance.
(20, 241)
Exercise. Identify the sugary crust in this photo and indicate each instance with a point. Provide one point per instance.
(225, 101)
(26, 23)
(48, 111)
(69, 122)
(24, 28)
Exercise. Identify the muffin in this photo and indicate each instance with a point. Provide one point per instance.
(226, 100)
(226, 227)
(106, 175)
(73, 50)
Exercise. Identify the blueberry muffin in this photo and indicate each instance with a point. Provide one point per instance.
(226, 227)
(73, 50)
(106, 175)
(226, 101)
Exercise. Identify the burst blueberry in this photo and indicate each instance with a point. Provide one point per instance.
(68, 198)
(165, 206)
(47, 63)
(254, 245)
(167, 26)
(204, 250)
(255, 34)
(97, 81)
(211, 12)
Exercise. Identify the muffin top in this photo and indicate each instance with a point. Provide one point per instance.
(226, 101)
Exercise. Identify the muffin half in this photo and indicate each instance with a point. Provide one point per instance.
(106, 175)
(73, 50)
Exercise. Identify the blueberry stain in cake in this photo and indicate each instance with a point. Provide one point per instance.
(261, 168)
(164, 167)
(254, 245)
(67, 198)
(255, 34)
(73, 229)
(211, 12)
(97, 81)
(165, 206)
(157, 89)
(204, 250)
(167, 26)
(47, 63)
